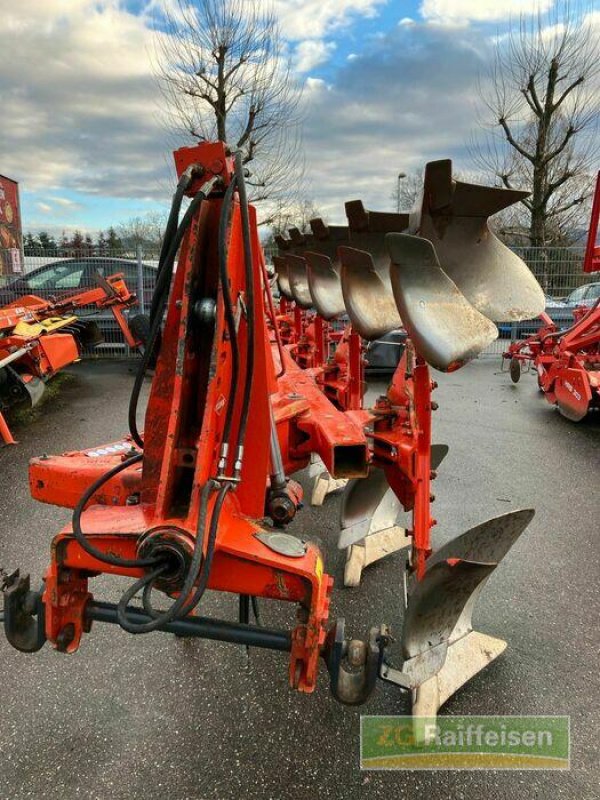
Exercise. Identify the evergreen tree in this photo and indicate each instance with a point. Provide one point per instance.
(64, 246)
(113, 242)
(77, 244)
(30, 245)
(46, 243)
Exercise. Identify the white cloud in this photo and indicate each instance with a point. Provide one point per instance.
(408, 99)
(77, 86)
(64, 202)
(308, 22)
(314, 85)
(457, 12)
(79, 99)
(314, 19)
(310, 53)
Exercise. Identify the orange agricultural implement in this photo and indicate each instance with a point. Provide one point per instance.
(202, 498)
(40, 337)
(567, 362)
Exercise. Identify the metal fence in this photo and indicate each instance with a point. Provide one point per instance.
(59, 273)
(559, 271)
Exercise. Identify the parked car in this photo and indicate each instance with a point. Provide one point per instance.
(585, 295)
(559, 311)
(68, 276)
(383, 354)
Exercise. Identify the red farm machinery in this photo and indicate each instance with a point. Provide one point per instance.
(247, 392)
(567, 362)
(40, 337)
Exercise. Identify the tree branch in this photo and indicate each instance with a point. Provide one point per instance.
(561, 209)
(537, 106)
(567, 92)
(513, 142)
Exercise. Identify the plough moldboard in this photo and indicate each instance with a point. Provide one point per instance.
(246, 394)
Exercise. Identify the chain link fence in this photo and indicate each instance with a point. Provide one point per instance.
(62, 273)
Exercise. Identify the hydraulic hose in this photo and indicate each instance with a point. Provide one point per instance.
(159, 301)
(78, 510)
(181, 606)
(250, 311)
(173, 237)
(199, 569)
(229, 315)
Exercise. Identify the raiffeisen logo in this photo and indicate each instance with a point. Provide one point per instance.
(465, 742)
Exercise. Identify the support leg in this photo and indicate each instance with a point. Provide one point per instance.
(5, 435)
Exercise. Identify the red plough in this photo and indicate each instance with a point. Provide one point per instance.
(201, 499)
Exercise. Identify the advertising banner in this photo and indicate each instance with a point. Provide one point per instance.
(11, 238)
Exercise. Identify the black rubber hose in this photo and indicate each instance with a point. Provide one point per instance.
(239, 174)
(161, 292)
(78, 510)
(172, 222)
(228, 304)
(199, 569)
(173, 236)
(210, 550)
(180, 607)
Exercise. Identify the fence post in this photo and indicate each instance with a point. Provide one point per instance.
(140, 277)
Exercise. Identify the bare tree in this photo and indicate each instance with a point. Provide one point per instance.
(406, 191)
(297, 215)
(542, 118)
(147, 230)
(291, 215)
(222, 71)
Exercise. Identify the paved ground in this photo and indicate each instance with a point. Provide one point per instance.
(157, 717)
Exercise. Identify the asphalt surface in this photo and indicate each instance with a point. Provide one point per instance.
(156, 717)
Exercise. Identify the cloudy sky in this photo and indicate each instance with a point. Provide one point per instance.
(390, 84)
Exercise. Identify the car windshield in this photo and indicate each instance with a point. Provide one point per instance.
(57, 276)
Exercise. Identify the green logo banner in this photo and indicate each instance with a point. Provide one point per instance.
(482, 742)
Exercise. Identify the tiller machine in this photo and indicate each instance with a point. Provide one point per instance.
(40, 337)
(567, 362)
(201, 499)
